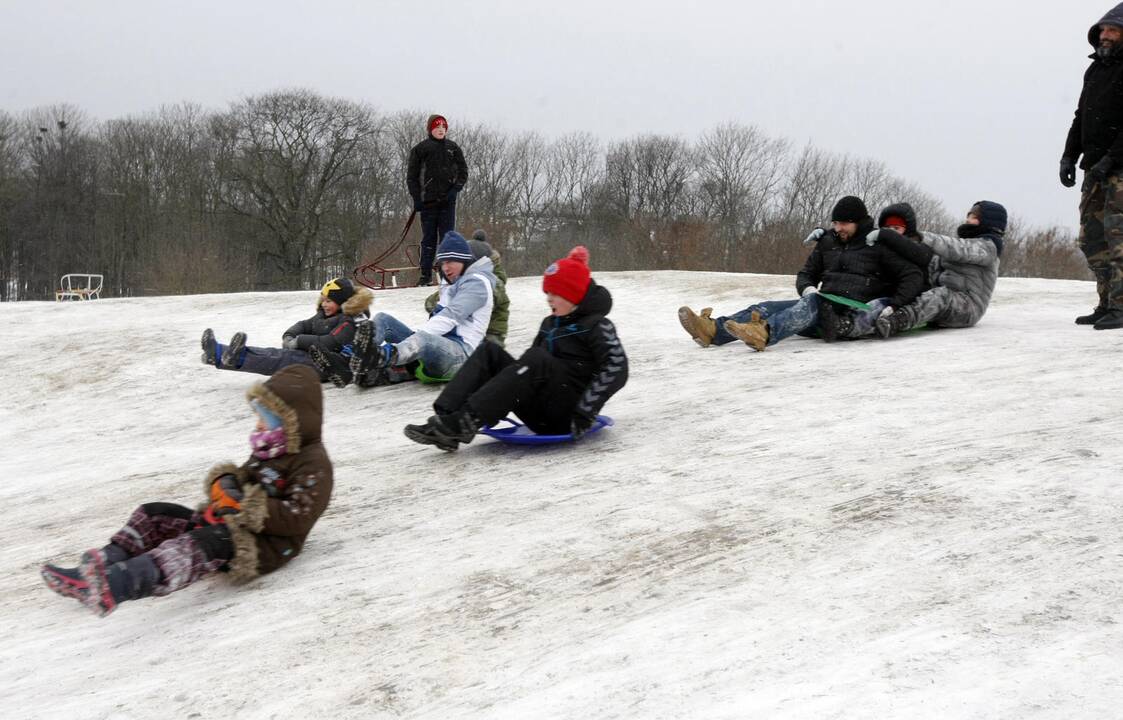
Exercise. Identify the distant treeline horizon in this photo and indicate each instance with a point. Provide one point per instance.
(287, 189)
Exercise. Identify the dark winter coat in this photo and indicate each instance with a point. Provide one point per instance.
(585, 342)
(1095, 130)
(331, 334)
(286, 495)
(436, 167)
(860, 271)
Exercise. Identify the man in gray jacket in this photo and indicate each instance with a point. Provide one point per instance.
(968, 270)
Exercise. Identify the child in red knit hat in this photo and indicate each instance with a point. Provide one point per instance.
(557, 386)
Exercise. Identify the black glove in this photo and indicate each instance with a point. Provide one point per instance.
(1068, 172)
(418, 206)
(1099, 172)
(580, 425)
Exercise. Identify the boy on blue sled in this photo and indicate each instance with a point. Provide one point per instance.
(558, 386)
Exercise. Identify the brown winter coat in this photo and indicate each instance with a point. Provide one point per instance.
(284, 496)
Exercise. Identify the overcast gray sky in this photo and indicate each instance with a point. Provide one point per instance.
(970, 99)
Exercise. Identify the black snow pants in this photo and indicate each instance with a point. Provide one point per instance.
(491, 383)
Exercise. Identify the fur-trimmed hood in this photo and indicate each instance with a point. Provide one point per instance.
(356, 305)
(293, 393)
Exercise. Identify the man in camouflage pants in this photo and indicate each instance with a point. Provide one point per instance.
(1095, 134)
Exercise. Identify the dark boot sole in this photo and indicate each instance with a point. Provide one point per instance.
(63, 584)
(418, 435)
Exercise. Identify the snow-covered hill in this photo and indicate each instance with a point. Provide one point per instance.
(925, 527)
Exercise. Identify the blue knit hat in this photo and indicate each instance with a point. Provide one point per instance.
(454, 247)
(992, 216)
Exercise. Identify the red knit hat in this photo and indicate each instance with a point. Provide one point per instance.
(436, 120)
(569, 277)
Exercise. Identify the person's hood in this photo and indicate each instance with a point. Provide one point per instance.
(1114, 17)
(597, 300)
(902, 210)
(992, 216)
(483, 267)
(355, 305)
(293, 394)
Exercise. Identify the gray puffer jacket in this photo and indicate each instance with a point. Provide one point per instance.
(968, 266)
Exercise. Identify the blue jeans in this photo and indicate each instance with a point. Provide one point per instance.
(785, 318)
(434, 224)
(441, 356)
(266, 361)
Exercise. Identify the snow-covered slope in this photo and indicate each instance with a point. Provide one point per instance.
(924, 527)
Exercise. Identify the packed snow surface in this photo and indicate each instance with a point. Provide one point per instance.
(923, 527)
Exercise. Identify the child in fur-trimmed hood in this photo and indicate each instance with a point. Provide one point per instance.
(256, 518)
(340, 308)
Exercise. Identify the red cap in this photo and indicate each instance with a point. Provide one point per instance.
(895, 220)
(569, 277)
(437, 120)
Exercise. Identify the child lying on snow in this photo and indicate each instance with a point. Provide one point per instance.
(574, 366)
(257, 520)
(339, 308)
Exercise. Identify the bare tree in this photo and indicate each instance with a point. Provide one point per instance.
(739, 170)
(281, 156)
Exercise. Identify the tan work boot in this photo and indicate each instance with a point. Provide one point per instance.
(700, 327)
(754, 332)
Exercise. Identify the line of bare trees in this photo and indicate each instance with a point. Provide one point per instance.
(286, 189)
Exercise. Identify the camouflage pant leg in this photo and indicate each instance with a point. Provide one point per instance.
(1101, 238)
(941, 306)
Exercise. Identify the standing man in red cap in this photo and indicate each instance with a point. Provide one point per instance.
(436, 173)
(558, 386)
(1097, 134)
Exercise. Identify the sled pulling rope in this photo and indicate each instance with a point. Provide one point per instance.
(375, 275)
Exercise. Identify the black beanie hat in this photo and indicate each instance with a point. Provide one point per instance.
(849, 209)
(338, 290)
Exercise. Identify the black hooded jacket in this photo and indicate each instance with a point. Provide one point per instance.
(909, 245)
(1095, 130)
(435, 168)
(586, 342)
(859, 271)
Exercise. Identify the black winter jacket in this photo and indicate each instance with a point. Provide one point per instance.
(859, 271)
(435, 168)
(331, 334)
(1095, 130)
(586, 342)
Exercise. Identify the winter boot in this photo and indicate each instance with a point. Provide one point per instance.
(894, 323)
(232, 353)
(211, 350)
(1111, 320)
(327, 369)
(111, 585)
(754, 333)
(446, 431)
(69, 582)
(701, 327)
(1093, 317)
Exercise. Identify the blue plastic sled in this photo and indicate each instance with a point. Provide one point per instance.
(519, 434)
